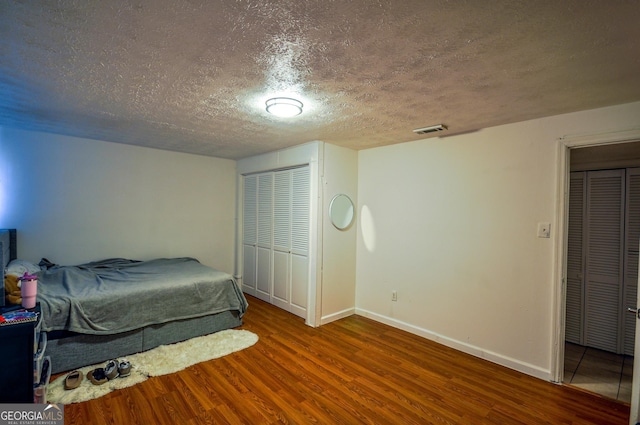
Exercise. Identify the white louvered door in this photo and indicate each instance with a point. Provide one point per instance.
(276, 247)
(632, 240)
(575, 259)
(301, 185)
(265, 237)
(250, 234)
(604, 239)
(602, 259)
(282, 239)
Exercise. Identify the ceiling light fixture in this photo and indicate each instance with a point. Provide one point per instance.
(285, 107)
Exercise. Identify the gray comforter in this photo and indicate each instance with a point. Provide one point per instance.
(118, 295)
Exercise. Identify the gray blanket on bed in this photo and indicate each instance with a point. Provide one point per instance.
(118, 295)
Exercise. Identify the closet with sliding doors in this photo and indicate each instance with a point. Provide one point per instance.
(602, 258)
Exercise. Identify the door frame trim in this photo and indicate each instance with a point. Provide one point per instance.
(564, 145)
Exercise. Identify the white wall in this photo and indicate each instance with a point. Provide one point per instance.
(75, 200)
(338, 246)
(450, 223)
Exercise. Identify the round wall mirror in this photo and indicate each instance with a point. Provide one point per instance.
(341, 211)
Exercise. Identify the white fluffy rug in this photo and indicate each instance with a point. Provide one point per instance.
(162, 360)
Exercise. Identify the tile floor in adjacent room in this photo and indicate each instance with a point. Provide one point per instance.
(598, 371)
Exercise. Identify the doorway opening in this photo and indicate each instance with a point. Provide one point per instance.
(603, 219)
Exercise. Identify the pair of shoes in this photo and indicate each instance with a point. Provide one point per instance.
(73, 380)
(97, 376)
(115, 369)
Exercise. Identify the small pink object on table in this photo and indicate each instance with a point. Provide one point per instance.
(29, 290)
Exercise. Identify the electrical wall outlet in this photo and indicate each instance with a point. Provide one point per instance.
(394, 296)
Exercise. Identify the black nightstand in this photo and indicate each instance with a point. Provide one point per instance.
(18, 345)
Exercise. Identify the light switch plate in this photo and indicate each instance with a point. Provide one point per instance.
(544, 230)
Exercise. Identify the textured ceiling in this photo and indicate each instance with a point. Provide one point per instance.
(193, 75)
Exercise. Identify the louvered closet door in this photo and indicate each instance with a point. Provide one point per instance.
(276, 237)
(604, 248)
(632, 239)
(265, 236)
(301, 186)
(575, 259)
(282, 239)
(249, 234)
(291, 240)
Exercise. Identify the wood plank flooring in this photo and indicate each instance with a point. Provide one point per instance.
(353, 371)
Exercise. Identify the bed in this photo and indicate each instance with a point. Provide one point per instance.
(115, 307)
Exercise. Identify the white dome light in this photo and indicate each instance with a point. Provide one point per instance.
(284, 107)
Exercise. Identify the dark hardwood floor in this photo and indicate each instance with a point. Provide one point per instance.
(350, 371)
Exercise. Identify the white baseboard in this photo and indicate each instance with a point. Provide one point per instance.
(337, 316)
(249, 290)
(500, 359)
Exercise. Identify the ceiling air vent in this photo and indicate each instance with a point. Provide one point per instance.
(431, 129)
